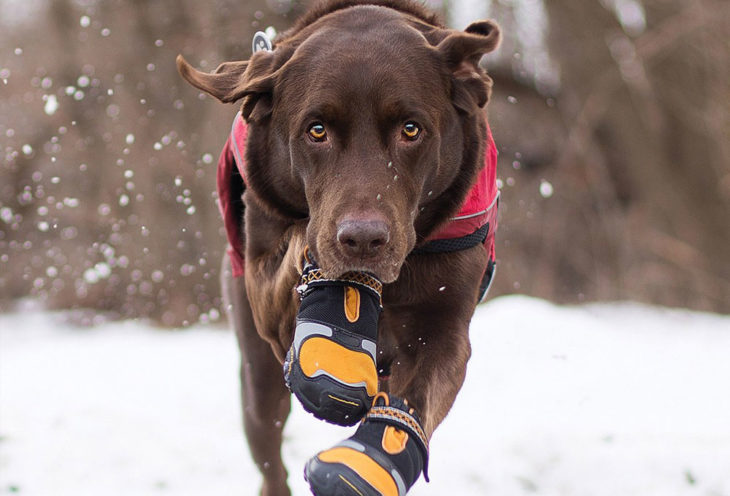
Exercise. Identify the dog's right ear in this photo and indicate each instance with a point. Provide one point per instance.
(251, 79)
(462, 50)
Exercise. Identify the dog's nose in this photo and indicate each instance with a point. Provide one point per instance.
(363, 238)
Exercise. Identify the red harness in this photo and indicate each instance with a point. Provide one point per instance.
(475, 223)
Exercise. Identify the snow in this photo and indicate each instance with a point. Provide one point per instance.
(609, 399)
(51, 105)
(546, 189)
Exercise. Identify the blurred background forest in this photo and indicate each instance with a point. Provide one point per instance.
(612, 118)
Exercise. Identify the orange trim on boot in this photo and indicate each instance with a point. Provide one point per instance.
(364, 466)
(394, 440)
(352, 304)
(347, 366)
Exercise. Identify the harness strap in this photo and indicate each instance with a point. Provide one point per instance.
(478, 237)
(484, 235)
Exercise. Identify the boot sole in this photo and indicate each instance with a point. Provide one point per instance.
(334, 479)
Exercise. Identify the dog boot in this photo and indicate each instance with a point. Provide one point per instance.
(330, 366)
(383, 458)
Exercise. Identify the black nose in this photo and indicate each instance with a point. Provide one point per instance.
(363, 238)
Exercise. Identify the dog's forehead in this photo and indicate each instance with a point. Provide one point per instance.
(365, 51)
(365, 18)
(362, 34)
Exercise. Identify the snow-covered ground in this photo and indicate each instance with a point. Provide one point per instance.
(611, 400)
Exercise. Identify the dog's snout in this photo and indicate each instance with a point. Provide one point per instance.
(363, 238)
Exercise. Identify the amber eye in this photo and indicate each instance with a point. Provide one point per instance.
(411, 130)
(317, 132)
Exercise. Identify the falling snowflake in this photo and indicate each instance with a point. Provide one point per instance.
(51, 104)
(546, 189)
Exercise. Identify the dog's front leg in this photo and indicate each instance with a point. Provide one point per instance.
(430, 367)
(427, 335)
(265, 400)
(425, 343)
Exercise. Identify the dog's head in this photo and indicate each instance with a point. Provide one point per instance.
(367, 121)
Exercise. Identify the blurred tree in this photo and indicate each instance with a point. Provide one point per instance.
(611, 117)
(639, 162)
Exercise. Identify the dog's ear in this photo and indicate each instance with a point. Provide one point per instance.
(251, 79)
(462, 51)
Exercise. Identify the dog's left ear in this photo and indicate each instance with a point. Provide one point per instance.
(462, 51)
(251, 79)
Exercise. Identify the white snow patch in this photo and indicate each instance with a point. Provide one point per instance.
(594, 400)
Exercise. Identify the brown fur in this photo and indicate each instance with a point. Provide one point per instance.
(363, 68)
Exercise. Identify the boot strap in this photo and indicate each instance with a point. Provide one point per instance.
(312, 277)
(404, 421)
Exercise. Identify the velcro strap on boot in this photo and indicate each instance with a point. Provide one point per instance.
(405, 421)
(312, 276)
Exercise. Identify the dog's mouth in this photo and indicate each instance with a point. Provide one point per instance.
(385, 269)
(372, 246)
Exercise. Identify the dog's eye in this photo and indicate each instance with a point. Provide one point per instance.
(317, 132)
(411, 130)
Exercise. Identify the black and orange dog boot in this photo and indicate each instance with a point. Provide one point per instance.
(331, 365)
(383, 458)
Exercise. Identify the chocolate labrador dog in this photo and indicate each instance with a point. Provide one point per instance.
(358, 188)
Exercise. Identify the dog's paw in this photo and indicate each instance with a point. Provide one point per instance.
(331, 371)
(331, 364)
(384, 457)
